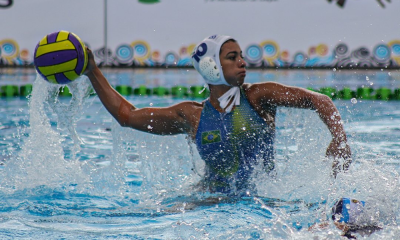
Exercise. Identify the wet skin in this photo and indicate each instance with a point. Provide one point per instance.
(184, 117)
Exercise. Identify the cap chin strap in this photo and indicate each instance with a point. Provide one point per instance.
(225, 100)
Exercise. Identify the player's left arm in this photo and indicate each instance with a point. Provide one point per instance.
(276, 94)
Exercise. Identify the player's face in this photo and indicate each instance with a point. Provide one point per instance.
(232, 63)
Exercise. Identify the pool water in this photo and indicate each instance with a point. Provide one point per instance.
(69, 171)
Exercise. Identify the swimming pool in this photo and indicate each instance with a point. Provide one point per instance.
(70, 172)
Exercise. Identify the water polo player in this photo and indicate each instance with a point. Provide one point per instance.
(234, 128)
(352, 217)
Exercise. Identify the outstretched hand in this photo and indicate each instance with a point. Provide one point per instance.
(91, 63)
(339, 151)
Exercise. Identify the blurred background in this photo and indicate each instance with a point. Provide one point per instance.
(161, 33)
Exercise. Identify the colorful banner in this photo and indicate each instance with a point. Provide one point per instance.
(154, 33)
(265, 54)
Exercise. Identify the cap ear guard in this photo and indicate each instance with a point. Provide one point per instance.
(206, 60)
(209, 70)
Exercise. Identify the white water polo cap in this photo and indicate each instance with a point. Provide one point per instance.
(206, 59)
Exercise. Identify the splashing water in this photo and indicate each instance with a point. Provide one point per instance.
(42, 160)
(146, 187)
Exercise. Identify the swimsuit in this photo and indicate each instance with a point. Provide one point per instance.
(232, 144)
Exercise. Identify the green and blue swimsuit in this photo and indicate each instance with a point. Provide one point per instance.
(232, 144)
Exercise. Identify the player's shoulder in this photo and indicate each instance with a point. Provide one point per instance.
(190, 104)
(262, 89)
(188, 107)
(262, 86)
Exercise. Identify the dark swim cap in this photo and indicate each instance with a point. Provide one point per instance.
(347, 210)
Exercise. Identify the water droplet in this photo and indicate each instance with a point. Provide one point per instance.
(389, 74)
(334, 69)
(151, 104)
(367, 78)
(244, 128)
(149, 127)
(371, 83)
(353, 100)
(151, 114)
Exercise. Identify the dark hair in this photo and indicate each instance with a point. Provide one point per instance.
(337, 209)
(230, 40)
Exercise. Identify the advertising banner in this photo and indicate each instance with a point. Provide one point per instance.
(272, 33)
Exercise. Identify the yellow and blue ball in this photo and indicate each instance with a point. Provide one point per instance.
(60, 57)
